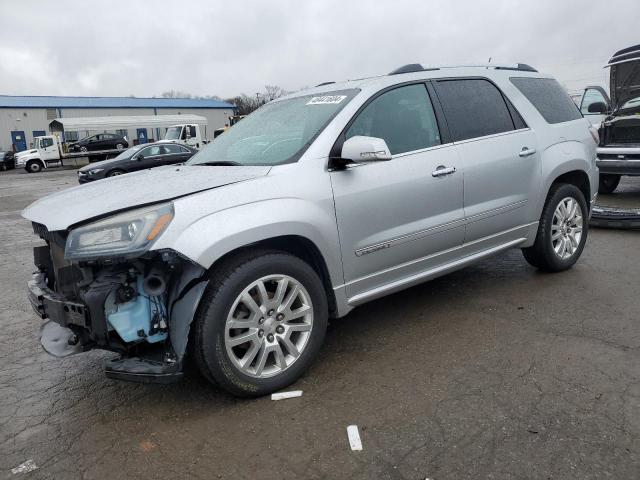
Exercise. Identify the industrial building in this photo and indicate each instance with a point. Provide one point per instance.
(24, 117)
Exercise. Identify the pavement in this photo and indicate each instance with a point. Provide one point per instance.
(627, 195)
(497, 371)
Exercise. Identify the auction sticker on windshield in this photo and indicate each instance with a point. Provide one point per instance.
(326, 99)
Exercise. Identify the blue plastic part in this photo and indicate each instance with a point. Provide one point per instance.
(132, 317)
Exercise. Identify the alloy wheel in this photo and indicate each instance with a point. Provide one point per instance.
(269, 326)
(566, 228)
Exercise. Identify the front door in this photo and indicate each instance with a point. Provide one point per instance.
(18, 140)
(141, 133)
(397, 218)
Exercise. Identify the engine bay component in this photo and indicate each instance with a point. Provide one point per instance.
(144, 317)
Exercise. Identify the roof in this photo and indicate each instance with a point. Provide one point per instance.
(625, 55)
(382, 81)
(117, 122)
(11, 101)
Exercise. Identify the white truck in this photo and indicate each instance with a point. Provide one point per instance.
(48, 152)
(185, 134)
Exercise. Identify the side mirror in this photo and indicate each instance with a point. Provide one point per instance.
(597, 107)
(362, 149)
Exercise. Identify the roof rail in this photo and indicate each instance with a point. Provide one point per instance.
(411, 67)
(324, 83)
(523, 67)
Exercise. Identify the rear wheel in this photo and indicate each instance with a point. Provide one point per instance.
(33, 166)
(115, 173)
(119, 146)
(261, 323)
(608, 183)
(562, 231)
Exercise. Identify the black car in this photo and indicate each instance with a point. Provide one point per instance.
(139, 157)
(7, 161)
(101, 141)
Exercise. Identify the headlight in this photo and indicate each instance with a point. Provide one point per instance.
(125, 234)
(95, 170)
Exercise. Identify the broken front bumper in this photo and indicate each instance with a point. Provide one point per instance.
(56, 336)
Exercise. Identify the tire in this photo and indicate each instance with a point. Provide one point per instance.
(211, 343)
(3, 167)
(119, 146)
(84, 149)
(608, 183)
(115, 173)
(543, 254)
(33, 166)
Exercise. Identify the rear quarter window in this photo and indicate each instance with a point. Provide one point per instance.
(549, 98)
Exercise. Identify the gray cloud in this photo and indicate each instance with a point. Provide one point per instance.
(216, 48)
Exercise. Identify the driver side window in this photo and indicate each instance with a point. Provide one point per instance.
(402, 117)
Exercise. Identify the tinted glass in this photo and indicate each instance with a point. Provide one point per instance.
(403, 117)
(279, 132)
(549, 98)
(473, 108)
(152, 151)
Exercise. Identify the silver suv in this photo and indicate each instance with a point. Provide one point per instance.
(312, 205)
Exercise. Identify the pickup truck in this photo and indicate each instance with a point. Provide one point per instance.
(618, 118)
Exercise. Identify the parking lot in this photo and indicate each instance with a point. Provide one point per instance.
(496, 371)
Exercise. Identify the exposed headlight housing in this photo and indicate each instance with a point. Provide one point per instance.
(95, 170)
(126, 234)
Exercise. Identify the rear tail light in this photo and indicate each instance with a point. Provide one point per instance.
(595, 135)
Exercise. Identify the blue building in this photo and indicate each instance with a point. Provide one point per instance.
(25, 117)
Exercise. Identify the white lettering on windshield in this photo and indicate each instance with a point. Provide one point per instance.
(326, 99)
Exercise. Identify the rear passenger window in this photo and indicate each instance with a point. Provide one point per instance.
(549, 98)
(403, 117)
(474, 108)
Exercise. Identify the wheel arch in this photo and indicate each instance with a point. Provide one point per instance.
(298, 246)
(578, 178)
(32, 160)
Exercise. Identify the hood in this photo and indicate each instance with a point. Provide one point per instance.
(63, 209)
(624, 79)
(103, 163)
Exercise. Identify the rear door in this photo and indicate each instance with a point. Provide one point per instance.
(395, 218)
(500, 159)
(175, 154)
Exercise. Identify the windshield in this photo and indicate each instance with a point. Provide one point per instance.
(173, 133)
(276, 133)
(130, 152)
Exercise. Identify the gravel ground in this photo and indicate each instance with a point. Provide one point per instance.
(497, 371)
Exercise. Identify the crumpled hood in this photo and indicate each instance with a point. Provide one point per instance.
(68, 207)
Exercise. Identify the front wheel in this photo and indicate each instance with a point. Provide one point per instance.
(562, 231)
(115, 173)
(120, 146)
(33, 167)
(608, 183)
(260, 324)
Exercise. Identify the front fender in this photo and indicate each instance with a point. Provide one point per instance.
(211, 237)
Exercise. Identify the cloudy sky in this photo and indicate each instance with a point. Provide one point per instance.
(226, 48)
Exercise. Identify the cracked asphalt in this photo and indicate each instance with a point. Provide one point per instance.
(497, 371)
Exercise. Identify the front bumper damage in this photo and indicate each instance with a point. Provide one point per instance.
(108, 305)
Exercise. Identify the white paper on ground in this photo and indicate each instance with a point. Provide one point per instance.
(28, 466)
(285, 395)
(354, 438)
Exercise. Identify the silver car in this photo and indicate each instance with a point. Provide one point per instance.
(314, 204)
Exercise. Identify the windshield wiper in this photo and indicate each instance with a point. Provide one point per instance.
(221, 163)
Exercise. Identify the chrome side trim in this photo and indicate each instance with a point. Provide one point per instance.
(428, 274)
(443, 252)
(392, 242)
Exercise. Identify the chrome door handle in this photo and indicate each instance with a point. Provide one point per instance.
(442, 171)
(525, 152)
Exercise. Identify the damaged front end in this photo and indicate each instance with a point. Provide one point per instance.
(139, 305)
